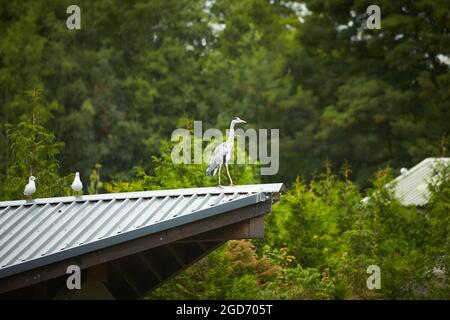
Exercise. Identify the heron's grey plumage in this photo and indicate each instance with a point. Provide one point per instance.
(222, 153)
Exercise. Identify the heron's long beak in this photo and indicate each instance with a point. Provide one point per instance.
(243, 121)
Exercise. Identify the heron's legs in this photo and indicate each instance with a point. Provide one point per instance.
(228, 172)
(220, 167)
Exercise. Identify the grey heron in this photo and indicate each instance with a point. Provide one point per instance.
(30, 188)
(222, 153)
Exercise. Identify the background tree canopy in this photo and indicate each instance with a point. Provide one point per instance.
(105, 99)
(136, 69)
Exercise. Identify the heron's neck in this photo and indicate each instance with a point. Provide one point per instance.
(231, 135)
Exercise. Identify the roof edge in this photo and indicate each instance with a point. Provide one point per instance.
(256, 188)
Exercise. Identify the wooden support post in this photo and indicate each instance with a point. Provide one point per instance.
(98, 273)
(150, 266)
(175, 254)
(202, 246)
(116, 266)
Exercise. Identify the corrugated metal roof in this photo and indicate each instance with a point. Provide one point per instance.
(411, 188)
(43, 231)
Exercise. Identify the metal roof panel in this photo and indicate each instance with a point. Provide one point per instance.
(48, 230)
(411, 188)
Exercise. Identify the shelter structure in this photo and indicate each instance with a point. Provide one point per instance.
(124, 244)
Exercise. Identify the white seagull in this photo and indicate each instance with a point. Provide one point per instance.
(222, 154)
(30, 188)
(77, 186)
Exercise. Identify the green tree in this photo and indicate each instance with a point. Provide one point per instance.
(33, 151)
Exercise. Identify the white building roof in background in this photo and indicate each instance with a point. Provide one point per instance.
(411, 187)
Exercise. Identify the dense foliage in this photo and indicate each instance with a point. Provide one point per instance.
(105, 99)
(320, 240)
(129, 77)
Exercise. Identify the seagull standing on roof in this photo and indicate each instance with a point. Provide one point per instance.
(222, 153)
(30, 188)
(77, 186)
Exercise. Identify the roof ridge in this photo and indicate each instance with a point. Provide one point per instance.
(418, 166)
(267, 187)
